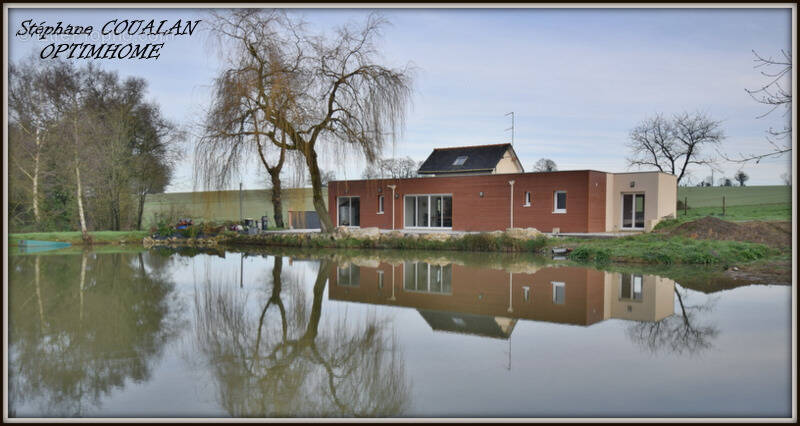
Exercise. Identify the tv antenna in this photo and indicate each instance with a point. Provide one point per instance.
(512, 126)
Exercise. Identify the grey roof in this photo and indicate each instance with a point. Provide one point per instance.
(480, 325)
(481, 158)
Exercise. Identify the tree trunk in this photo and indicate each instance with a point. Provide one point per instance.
(139, 214)
(81, 216)
(36, 180)
(277, 204)
(38, 294)
(316, 307)
(316, 183)
(84, 232)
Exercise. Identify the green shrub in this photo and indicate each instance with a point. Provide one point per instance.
(164, 229)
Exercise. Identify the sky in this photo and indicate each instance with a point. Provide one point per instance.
(577, 80)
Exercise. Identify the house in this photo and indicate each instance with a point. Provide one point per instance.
(484, 188)
(487, 301)
(471, 160)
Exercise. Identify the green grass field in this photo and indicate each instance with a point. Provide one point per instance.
(74, 237)
(735, 195)
(768, 212)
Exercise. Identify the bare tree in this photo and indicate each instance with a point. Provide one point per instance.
(395, 168)
(286, 360)
(335, 91)
(787, 178)
(685, 333)
(327, 176)
(545, 165)
(671, 146)
(776, 93)
(30, 112)
(741, 177)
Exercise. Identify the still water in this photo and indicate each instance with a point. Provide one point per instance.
(161, 334)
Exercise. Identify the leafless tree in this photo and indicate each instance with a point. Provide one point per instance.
(787, 178)
(285, 360)
(330, 89)
(545, 165)
(671, 146)
(395, 168)
(683, 333)
(741, 177)
(31, 112)
(776, 93)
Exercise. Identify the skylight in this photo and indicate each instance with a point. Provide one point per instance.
(460, 160)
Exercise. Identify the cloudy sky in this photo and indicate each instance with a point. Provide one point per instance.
(577, 79)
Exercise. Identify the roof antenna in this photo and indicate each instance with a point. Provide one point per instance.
(512, 126)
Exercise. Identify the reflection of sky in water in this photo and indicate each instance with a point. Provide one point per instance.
(544, 369)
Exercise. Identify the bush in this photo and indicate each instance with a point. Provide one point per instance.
(588, 254)
(164, 228)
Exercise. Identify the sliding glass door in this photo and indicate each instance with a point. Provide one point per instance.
(349, 214)
(632, 211)
(428, 211)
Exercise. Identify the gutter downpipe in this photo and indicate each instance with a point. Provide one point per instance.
(393, 187)
(511, 182)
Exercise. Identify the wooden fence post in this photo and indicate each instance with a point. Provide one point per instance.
(723, 205)
(685, 205)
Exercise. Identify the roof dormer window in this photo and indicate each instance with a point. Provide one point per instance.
(460, 160)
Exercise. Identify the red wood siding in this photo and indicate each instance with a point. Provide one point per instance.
(585, 200)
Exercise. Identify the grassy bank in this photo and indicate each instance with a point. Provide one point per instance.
(74, 237)
(470, 242)
(665, 249)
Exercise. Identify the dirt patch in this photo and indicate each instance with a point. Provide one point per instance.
(773, 234)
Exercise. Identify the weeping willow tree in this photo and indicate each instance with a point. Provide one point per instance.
(283, 359)
(300, 91)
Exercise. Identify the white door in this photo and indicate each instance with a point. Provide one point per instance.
(632, 211)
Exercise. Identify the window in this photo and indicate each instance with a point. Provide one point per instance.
(380, 279)
(526, 293)
(349, 211)
(425, 278)
(460, 160)
(380, 204)
(630, 287)
(527, 199)
(429, 211)
(349, 275)
(560, 202)
(558, 292)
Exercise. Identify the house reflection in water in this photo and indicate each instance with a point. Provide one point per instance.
(488, 302)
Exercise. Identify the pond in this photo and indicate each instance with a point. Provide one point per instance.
(401, 334)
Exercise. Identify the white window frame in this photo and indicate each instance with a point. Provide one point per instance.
(380, 204)
(380, 279)
(557, 284)
(633, 211)
(527, 199)
(460, 163)
(556, 210)
(359, 207)
(416, 279)
(526, 293)
(636, 279)
(350, 268)
(429, 211)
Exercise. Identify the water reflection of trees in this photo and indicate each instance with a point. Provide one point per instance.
(278, 361)
(686, 332)
(80, 326)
